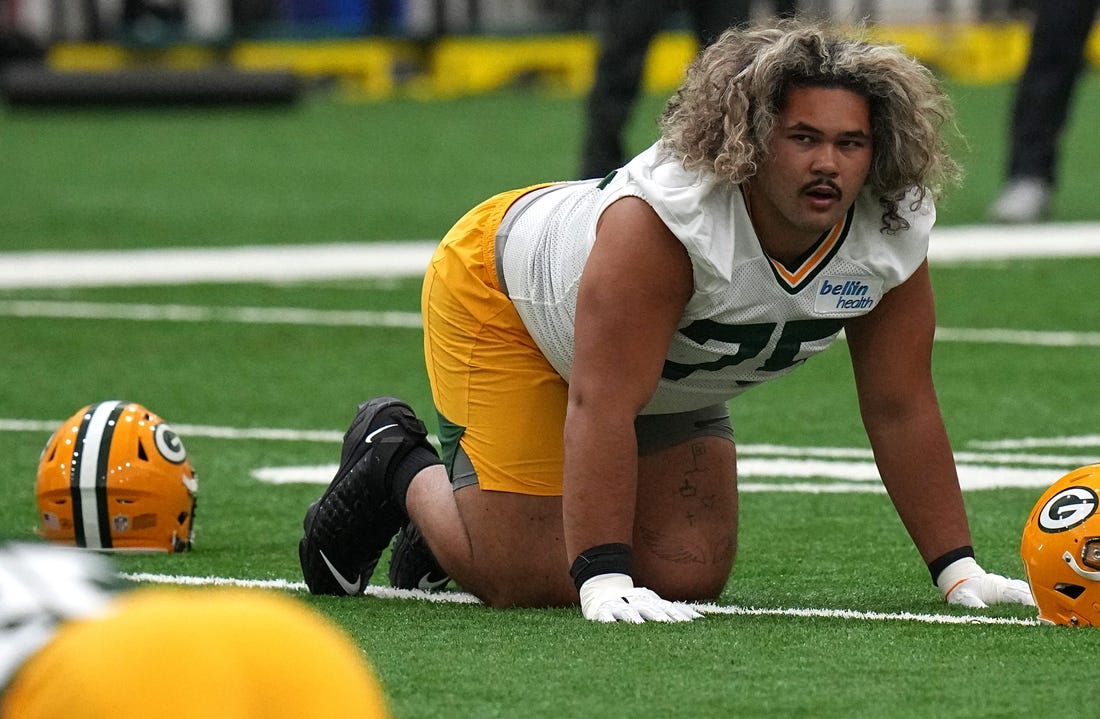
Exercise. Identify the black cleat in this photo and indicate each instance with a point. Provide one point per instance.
(347, 529)
(412, 564)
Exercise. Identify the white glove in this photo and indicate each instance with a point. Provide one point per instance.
(614, 598)
(965, 583)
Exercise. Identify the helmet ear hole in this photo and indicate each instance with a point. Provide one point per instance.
(141, 452)
(1070, 590)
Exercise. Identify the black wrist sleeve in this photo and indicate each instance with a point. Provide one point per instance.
(601, 559)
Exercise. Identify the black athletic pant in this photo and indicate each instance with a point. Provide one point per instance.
(629, 27)
(1046, 87)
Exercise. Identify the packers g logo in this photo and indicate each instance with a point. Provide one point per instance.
(1067, 509)
(169, 444)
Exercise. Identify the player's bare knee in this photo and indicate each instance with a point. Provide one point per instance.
(698, 584)
(686, 569)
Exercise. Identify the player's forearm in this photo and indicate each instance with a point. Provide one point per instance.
(599, 486)
(918, 470)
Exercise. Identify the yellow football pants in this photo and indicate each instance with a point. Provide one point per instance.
(487, 375)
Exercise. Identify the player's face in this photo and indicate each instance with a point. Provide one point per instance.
(819, 158)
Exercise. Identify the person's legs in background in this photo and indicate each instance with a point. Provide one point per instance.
(628, 28)
(1042, 103)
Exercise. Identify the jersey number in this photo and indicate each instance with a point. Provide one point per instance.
(751, 341)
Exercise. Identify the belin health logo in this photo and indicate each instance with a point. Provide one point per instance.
(847, 295)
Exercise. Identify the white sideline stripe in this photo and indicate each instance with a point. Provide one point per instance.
(412, 320)
(746, 450)
(287, 585)
(195, 430)
(871, 616)
(1007, 242)
(465, 598)
(198, 313)
(1052, 460)
(177, 266)
(1088, 440)
(976, 470)
(211, 581)
(854, 477)
(352, 260)
(1018, 337)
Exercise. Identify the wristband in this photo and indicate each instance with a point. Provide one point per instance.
(601, 559)
(940, 563)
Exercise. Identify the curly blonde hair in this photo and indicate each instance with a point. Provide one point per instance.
(722, 116)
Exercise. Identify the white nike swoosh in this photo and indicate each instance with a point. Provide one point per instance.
(428, 585)
(380, 429)
(349, 587)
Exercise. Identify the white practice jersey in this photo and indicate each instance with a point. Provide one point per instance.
(41, 586)
(749, 319)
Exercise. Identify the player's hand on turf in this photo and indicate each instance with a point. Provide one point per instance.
(614, 598)
(966, 584)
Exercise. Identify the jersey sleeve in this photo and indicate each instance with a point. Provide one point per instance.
(894, 256)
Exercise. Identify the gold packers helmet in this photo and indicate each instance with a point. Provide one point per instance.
(116, 476)
(1061, 550)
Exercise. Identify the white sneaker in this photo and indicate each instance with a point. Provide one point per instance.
(1023, 200)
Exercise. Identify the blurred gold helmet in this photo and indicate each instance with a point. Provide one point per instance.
(1061, 550)
(116, 476)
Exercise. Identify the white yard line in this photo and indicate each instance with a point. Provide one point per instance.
(865, 616)
(1028, 338)
(196, 430)
(177, 266)
(352, 260)
(707, 608)
(782, 474)
(761, 468)
(202, 313)
(977, 470)
(1003, 242)
(1088, 440)
(54, 309)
